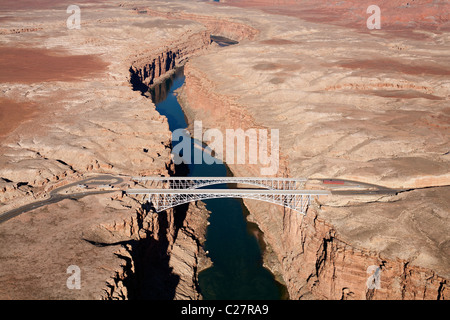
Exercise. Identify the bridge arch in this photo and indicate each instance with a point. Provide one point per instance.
(295, 202)
(168, 192)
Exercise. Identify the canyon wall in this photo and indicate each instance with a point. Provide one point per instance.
(368, 107)
(165, 260)
(299, 80)
(216, 25)
(169, 271)
(150, 67)
(312, 257)
(82, 118)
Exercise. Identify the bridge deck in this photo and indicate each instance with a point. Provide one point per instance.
(167, 192)
(216, 178)
(230, 191)
(199, 182)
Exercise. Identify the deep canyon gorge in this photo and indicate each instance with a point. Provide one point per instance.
(350, 103)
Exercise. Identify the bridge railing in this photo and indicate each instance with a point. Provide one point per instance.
(199, 182)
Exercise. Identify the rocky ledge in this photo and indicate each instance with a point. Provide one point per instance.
(71, 113)
(349, 103)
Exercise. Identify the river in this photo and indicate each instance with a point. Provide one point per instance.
(232, 242)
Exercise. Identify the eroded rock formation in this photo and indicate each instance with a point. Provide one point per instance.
(346, 111)
(72, 113)
(363, 105)
(149, 68)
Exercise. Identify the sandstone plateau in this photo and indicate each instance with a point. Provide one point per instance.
(349, 103)
(68, 110)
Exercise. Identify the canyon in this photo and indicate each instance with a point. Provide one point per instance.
(350, 103)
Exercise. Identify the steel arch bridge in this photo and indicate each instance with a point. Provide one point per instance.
(199, 182)
(169, 192)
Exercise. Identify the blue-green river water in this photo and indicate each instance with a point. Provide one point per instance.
(232, 242)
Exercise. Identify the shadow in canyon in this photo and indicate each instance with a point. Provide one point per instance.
(153, 277)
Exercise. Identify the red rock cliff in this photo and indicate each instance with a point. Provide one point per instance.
(312, 257)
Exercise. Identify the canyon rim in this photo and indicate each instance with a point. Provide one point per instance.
(355, 108)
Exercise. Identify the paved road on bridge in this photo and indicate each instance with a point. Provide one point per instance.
(334, 187)
(229, 191)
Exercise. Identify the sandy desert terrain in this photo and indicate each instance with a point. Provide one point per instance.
(349, 103)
